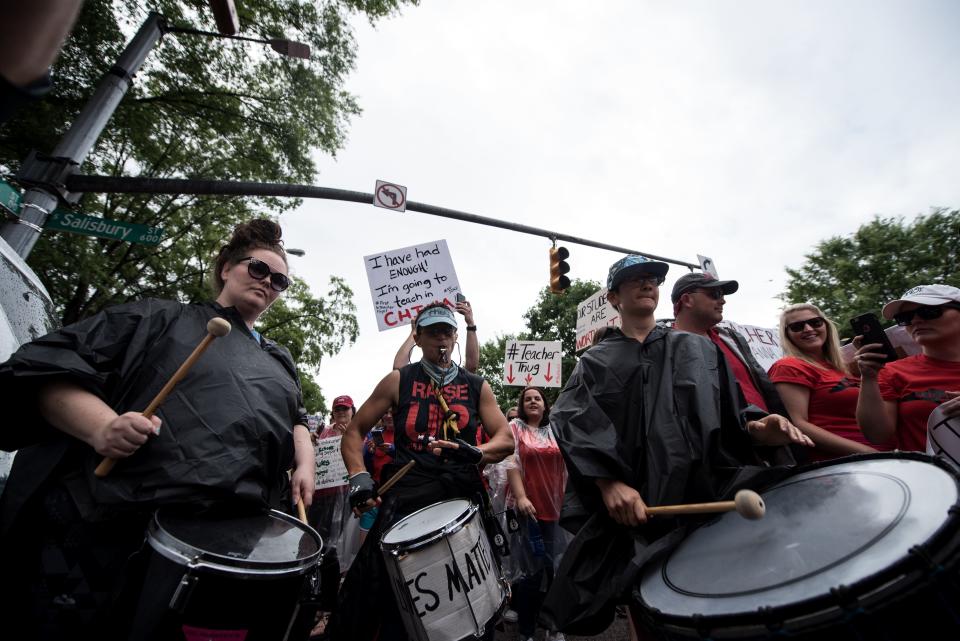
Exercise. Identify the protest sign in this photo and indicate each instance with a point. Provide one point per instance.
(592, 314)
(764, 343)
(404, 281)
(532, 363)
(331, 472)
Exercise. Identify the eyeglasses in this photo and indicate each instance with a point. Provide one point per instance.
(714, 292)
(926, 312)
(259, 270)
(643, 279)
(815, 323)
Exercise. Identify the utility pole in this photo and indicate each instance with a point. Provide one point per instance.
(38, 202)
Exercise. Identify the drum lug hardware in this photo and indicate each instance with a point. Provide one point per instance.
(182, 594)
(920, 552)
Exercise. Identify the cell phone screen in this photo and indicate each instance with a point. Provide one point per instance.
(461, 298)
(868, 326)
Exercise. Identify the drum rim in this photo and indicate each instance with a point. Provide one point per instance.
(430, 537)
(868, 590)
(185, 553)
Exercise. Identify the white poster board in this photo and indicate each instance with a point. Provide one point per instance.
(331, 471)
(532, 363)
(592, 314)
(764, 342)
(404, 281)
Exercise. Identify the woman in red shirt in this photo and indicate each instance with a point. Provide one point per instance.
(537, 482)
(896, 398)
(818, 391)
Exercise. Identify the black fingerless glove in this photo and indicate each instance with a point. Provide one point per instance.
(465, 453)
(361, 489)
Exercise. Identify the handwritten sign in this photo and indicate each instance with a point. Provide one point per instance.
(592, 314)
(532, 363)
(404, 281)
(764, 343)
(331, 472)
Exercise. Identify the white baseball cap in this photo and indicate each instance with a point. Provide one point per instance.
(922, 295)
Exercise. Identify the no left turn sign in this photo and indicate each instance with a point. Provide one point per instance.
(390, 196)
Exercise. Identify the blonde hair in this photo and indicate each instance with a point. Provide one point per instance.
(830, 351)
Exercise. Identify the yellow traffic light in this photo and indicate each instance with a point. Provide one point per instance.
(558, 267)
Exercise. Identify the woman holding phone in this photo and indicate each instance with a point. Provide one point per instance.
(818, 391)
(896, 398)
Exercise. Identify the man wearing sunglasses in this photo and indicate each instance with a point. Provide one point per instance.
(649, 416)
(698, 301)
(896, 398)
(436, 407)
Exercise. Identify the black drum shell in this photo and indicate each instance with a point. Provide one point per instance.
(916, 597)
(266, 604)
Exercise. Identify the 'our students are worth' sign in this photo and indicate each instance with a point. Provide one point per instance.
(404, 281)
(532, 363)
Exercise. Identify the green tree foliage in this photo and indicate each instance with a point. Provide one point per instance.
(199, 108)
(310, 328)
(551, 318)
(850, 275)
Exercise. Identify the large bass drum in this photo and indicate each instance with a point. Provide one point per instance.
(864, 547)
(447, 582)
(225, 576)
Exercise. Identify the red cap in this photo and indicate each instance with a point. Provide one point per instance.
(343, 401)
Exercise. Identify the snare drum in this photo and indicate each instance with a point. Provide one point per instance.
(225, 577)
(447, 582)
(862, 547)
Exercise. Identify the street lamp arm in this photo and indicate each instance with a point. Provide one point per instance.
(280, 45)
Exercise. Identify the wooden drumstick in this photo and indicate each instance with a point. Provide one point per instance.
(302, 512)
(396, 477)
(216, 327)
(746, 503)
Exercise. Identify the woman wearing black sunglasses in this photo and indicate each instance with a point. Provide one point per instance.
(225, 437)
(897, 398)
(819, 392)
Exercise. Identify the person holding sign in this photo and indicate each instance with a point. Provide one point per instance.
(471, 357)
(897, 398)
(813, 381)
(436, 406)
(225, 438)
(650, 416)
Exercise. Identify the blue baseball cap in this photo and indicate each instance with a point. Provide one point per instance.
(434, 315)
(634, 264)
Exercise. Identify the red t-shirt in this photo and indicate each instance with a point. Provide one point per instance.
(542, 467)
(918, 384)
(740, 372)
(833, 399)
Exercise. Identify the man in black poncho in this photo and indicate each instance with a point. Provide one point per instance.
(649, 416)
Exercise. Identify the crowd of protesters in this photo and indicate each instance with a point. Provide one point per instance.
(653, 414)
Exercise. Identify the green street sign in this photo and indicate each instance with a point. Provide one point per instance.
(66, 220)
(9, 197)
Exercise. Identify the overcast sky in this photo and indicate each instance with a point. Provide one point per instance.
(743, 131)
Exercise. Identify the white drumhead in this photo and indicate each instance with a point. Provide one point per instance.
(430, 519)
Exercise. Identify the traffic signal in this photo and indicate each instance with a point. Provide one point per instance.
(559, 267)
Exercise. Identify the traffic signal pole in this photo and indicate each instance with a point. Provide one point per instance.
(125, 185)
(48, 173)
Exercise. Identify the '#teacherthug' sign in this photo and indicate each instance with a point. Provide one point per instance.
(532, 363)
(404, 281)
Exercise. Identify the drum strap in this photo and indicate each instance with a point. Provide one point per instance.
(451, 419)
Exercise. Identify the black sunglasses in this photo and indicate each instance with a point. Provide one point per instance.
(815, 323)
(714, 292)
(926, 312)
(259, 270)
(643, 279)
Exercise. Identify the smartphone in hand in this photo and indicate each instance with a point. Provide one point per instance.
(868, 326)
(461, 298)
(377, 437)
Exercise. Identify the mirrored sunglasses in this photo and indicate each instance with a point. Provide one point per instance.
(259, 270)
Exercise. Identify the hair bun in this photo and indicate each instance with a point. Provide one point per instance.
(257, 232)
